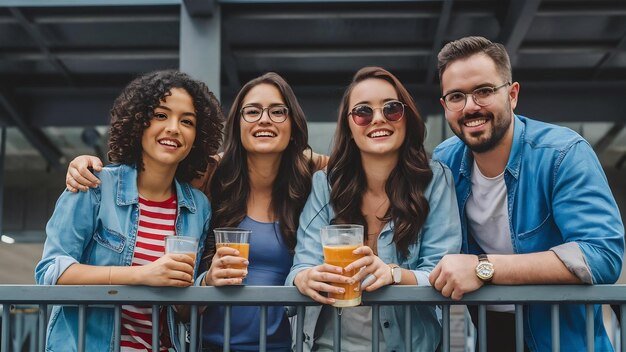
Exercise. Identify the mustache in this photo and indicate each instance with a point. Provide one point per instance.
(477, 115)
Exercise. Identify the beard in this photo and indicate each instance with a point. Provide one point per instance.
(482, 142)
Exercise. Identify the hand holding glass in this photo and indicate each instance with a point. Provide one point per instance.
(236, 238)
(182, 244)
(339, 241)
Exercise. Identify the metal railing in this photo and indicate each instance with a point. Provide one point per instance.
(115, 296)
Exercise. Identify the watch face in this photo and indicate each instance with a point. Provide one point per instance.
(484, 270)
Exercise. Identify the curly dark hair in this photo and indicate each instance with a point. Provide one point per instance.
(230, 186)
(407, 181)
(133, 110)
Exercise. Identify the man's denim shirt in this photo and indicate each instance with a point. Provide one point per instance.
(99, 227)
(558, 199)
(440, 235)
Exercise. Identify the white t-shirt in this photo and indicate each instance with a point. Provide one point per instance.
(488, 218)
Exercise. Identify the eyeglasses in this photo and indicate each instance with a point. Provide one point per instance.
(362, 115)
(276, 113)
(483, 96)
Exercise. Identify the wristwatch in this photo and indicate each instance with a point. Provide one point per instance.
(484, 269)
(396, 274)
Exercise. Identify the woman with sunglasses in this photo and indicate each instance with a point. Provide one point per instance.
(261, 184)
(378, 176)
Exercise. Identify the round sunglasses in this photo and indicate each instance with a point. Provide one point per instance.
(362, 115)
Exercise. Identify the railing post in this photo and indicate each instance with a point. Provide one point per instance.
(519, 328)
(556, 326)
(193, 336)
(375, 327)
(6, 324)
(337, 330)
(407, 328)
(622, 326)
(82, 316)
(155, 327)
(227, 311)
(263, 329)
(446, 328)
(300, 311)
(482, 327)
(43, 327)
(590, 327)
(117, 327)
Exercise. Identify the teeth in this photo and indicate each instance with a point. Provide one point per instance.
(380, 134)
(167, 142)
(475, 123)
(265, 134)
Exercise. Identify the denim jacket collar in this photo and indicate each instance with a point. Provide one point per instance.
(127, 192)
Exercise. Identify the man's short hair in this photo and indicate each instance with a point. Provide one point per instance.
(468, 46)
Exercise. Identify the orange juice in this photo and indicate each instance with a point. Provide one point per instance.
(193, 256)
(243, 248)
(341, 256)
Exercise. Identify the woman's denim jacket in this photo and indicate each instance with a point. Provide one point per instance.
(99, 227)
(440, 235)
(558, 199)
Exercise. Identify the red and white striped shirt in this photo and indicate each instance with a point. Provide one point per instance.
(156, 221)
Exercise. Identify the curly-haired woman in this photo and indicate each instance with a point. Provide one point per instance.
(378, 176)
(164, 127)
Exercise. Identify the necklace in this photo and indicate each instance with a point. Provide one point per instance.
(374, 223)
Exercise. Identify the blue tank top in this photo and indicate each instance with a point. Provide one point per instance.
(270, 262)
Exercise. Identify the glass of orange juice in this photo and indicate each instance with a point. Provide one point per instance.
(182, 244)
(339, 241)
(236, 238)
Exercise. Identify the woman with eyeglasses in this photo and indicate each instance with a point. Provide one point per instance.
(261, 184)
(378, 176)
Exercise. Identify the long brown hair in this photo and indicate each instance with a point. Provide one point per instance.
(230, 185)
(406, 183)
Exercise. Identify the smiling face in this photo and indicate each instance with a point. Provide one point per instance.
(480, 128)
(264, 136)
(172, 131)
(379, 137)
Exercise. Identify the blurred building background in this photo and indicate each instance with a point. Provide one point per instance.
(62, 62)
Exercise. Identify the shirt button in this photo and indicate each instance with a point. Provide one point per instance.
(386, 324)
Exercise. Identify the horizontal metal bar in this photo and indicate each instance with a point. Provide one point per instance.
(330, 52)
(112, 55)
(82, 18)
(253, 295)
(326, 14)
(314, 1)
(55, 3)
(59, 3)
